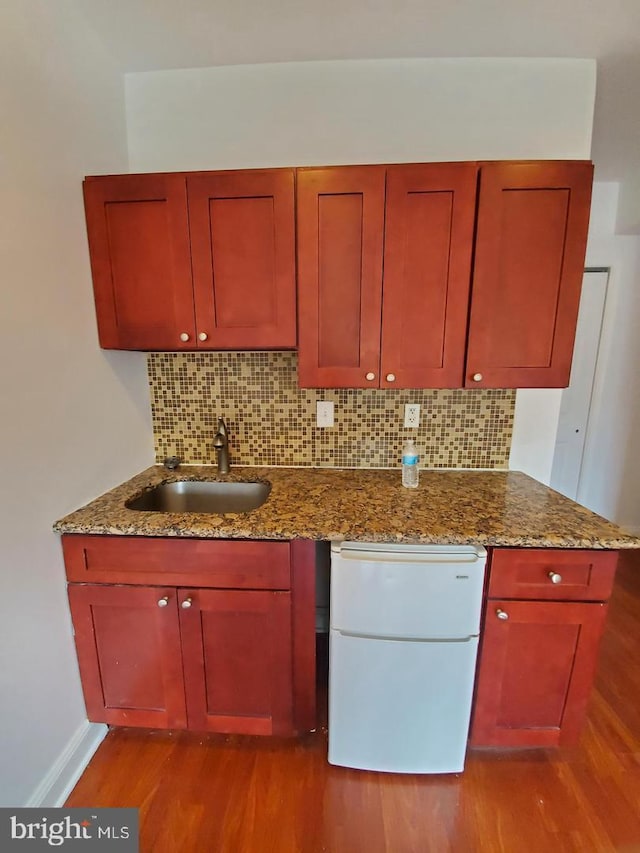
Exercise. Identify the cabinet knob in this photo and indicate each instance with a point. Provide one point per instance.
(554, 577)
(184, 336)
(203, 336)
(502, 614)
(477, 377)
(163, 601)
(391, 377)
(370, 376)
(186, 604)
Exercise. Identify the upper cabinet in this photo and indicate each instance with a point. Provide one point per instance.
(138, 228)
(405, 328)
(198, 261)
(401, 304)
(531, 237)
(433, 275)
(243, 256)
(428, 238)
(340, 218)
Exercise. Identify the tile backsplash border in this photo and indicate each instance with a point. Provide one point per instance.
(272, 422)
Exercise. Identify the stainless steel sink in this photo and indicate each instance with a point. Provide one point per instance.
(202, 496)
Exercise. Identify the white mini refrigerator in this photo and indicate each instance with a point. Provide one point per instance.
(403, 641)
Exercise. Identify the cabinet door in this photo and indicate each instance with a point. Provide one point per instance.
(529, 260)
(535, 673)
(340, 219)
(237, 660)
(430, 215)
(128, 644)
(243, 251)
(140, 261)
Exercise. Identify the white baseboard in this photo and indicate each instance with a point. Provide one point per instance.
(63, 774)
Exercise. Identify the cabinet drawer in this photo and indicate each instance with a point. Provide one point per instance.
(228, 564)
(552, 574)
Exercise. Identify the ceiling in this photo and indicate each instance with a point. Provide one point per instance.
(149, 35)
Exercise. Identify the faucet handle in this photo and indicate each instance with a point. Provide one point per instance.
(222, 427)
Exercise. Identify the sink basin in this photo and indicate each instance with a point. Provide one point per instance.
(202, 496)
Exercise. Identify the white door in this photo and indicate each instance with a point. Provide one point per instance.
(576, 399)
(400, 706)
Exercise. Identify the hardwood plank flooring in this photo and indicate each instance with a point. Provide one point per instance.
(210, 793)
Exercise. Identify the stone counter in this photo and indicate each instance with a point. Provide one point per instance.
(500, 508)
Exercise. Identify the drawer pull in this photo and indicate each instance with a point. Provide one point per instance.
(163, 601)
(502, 614)
(186, 603)
(554, 577)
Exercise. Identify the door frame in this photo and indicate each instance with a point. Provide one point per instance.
(593, 385)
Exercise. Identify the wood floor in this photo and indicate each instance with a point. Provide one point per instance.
(204, 794)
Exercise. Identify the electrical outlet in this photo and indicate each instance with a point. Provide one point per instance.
(324, 413)
(412, 415)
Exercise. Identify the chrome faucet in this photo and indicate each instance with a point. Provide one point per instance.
(221, 447)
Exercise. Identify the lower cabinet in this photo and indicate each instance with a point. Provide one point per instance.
(128, 645)
(539, 652)
(232, 660)
(536, 672)
(236, 648)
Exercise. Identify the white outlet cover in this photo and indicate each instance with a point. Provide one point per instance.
(412, 415)
(324, 413)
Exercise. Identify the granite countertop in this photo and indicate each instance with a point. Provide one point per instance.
(504, 508)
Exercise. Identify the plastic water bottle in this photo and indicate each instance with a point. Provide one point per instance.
(410, 465)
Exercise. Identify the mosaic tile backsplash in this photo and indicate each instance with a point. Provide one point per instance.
(272, 422)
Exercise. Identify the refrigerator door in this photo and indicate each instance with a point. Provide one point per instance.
(400, 706)
(432, 592)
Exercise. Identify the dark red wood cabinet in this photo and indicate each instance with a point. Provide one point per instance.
(432, 275)
(388, 296)
(384, 261)
(340, 221)
(138, 229)
(193, 261)
(128, 646)
(542, 626)
(531, 237)
(243, 256)
(237, 659)
(232, 657)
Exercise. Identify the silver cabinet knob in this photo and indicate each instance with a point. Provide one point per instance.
(391, 377)
(370, 376)
(186, 604)
(502, 614)
(163, 601)
(554, 577)
(477, 377)
(184, 336)
(203, 336)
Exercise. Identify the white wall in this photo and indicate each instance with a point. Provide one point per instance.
(610, 479)
(628, 215)
(75, 419)
(377, 111)
(368, 112)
